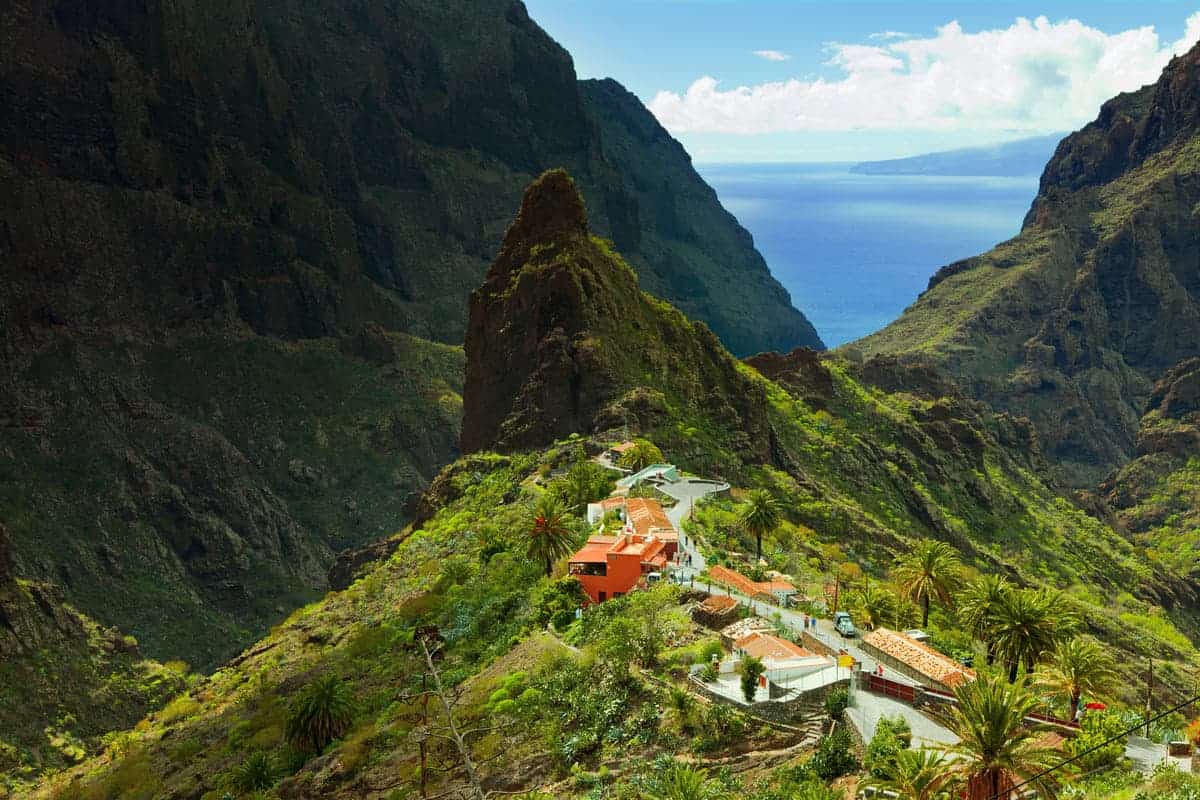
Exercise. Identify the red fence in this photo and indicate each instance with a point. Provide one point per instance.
(881, 685)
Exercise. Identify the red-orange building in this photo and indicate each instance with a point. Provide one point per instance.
(610, 566)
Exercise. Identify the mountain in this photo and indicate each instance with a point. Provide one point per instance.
(562, 340)
(1009, 159)
(864, 459)
(1156, 496)
(237, 250)
(1071, 322)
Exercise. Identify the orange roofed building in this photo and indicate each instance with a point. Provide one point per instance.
(776, 590)
(610, 566)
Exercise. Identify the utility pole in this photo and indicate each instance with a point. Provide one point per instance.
(837, 583)
(1149, 695)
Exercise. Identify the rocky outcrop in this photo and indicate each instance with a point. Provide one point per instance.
(560, 331)
(1072, 322)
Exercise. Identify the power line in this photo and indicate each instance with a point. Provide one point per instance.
(1093, 749)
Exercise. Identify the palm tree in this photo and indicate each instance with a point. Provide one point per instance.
(918, 775)
(759, 515)
(551, 535)
(977, 605)
(1026, 624)
(321, 712)
(683, 706)
(931, 569)
(1077, 666)
(873, 604)
(997, 747)
(683, 782)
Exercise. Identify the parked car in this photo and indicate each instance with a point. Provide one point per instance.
(843, 624)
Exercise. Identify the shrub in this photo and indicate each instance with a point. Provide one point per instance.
(320, 713)
(836, 702)
(709, 673)
(181, 707)
(752, 670)
(712, 649)
(1096, 728)
(882, 750)
(834, 757)
(255, 773)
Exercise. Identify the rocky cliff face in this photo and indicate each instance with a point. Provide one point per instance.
(1071, 322)
(561, 339)
(1156, 496)
(230, 240)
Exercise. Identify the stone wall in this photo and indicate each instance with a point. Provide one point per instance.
(797, 707)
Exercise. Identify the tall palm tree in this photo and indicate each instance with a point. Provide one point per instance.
(759, 515)
(977, 604)
(1076, 666)
(918, 775)
(1026, 624)
(551, 534)
(997, 747)
(931, 569)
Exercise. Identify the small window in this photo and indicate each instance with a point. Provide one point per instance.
(603, 596)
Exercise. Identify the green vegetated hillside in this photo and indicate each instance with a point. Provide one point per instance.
(1156, 496)
(1071, 322)
(861, 473)
(237, 247)
(64, 680)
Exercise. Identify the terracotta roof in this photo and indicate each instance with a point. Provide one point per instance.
(598, 549)
(740, 583)
(919, 657)
(719, 604)
(647, 516)
(595, 551)
(770, 648)
(609, 503)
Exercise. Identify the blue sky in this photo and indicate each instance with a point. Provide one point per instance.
(766, 80)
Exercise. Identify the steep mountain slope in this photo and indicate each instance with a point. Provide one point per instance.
(862, 472)
(1157, 495)
(236, 248)
(690, 251)
(561, 340)
(64, 680)
(1072, 321)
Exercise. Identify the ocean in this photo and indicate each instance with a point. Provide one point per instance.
(855, 250)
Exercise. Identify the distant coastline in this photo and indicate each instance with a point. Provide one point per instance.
(1020, 158)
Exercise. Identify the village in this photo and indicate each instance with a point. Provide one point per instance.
(805, 657)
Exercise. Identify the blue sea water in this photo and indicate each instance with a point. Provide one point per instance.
(855, 250)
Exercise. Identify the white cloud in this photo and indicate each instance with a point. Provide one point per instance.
(890, 35)
(772, 55)
(1033, 76)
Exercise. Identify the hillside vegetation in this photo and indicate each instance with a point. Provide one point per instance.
(860, 474)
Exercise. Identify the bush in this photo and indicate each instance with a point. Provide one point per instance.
(836, 702)
(320, 713)
(712, 649)
(1097, 727)
(834, 757)
(752, 670)
(709, 673)
(255, 773)
(884, 745)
